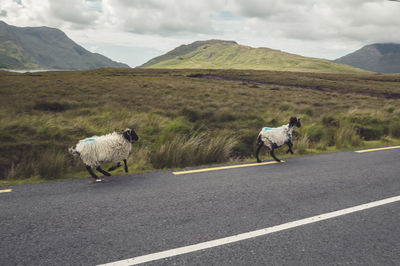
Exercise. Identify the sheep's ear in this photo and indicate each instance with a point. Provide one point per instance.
(133, 134)
(126, 134)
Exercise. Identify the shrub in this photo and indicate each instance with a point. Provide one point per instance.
(330, 121)
(225, 116)
(285, 107)
(5, 136)
(177, 126)
(51, 106)
(371, 132)
(394, 129)
(191, 114)
(390, 108)
(308, 111)
(314, 132)
(368, 127)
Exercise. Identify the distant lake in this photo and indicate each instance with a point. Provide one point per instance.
(32, 70)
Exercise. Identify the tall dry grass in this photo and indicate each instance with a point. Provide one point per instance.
(192, 150)
(347, 137)
(302, 144)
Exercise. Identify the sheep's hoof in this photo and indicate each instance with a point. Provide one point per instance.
(98, 180)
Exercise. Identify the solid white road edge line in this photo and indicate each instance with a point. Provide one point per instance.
(249, 235)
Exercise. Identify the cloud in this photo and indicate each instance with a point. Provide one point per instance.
(356, 20)
(60, 13)
(167, 17)
(308, 27)
(72, 11)
(303, 20)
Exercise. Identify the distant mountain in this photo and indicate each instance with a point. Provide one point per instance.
(45, 48)
(217, 54)
(378, 57)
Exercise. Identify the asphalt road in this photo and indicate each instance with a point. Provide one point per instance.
(77, 223)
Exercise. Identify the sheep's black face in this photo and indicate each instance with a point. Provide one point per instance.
(130, 135)
(294, 121)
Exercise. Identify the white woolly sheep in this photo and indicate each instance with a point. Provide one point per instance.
(111, 148)
(273, 138)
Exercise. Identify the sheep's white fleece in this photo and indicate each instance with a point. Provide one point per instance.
(277, 135)
(97, 150)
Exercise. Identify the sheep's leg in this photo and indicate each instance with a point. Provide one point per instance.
(125, 166)
(91, 172)
(271, 152)
(290, 145)
(258, 150)
(98, 168)
(114, 167)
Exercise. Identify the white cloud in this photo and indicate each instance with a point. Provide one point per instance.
(72, 11)
(168, 17)
(322, 28)
(25, 13)
(321, 20)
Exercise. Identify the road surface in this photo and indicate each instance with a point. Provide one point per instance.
(315, 204)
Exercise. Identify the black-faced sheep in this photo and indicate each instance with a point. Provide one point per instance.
(111, 148)
(273, 138)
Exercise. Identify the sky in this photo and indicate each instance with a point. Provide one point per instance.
(135, 31)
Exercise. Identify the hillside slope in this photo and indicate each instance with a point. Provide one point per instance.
(216, 54)
(378, 57)
(45, 48)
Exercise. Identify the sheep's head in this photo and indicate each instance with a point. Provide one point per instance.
(294, 121)
(130, 135)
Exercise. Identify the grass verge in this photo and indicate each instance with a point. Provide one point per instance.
(185, 117)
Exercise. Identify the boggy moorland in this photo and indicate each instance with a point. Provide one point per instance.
(185, 117)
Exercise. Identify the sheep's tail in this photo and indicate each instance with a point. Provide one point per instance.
(73, 151)
(259, 141)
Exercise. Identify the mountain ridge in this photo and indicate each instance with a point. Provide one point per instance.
(377, 57)
(221, 54)
(46, 48)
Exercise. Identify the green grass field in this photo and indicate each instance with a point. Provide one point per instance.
(185, 117)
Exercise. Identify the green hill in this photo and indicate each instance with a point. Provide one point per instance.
(45, 48)
(216, 54)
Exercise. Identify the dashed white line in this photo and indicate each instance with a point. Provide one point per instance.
(248, 235)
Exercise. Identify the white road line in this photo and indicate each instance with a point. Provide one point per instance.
(248, 235)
